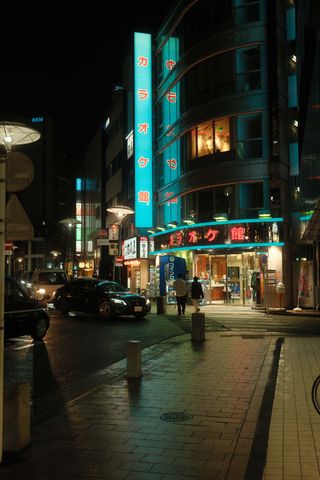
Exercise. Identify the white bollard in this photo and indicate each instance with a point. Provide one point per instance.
(197, 326)
(134, 359)
(16, 409)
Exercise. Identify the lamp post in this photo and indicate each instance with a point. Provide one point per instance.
(11, 134)
(120, 211)
(70, 223)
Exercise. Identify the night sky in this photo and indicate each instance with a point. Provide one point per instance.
(66, 66)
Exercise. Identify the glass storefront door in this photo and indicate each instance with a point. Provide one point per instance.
(226, 279)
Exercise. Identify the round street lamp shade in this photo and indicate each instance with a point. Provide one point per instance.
(12, 133)
(70, 222)
(120, 210)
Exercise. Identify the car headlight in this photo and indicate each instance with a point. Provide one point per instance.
(117, 300)
(147, 301)
(42, 291)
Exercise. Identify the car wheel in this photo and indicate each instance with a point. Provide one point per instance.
(40, 329)
(105, 309)
(62, 305)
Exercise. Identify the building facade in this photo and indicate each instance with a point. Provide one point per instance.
(223, 134)
(212, 141)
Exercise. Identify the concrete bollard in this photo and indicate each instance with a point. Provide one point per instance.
(16, 420)
(134, 359)
(197, 326)
(161, 305)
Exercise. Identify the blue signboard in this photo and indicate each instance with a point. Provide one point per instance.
(170, 268)
(143, 130)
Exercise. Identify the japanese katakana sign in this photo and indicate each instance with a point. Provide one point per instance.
(226, 234)
(143, 130)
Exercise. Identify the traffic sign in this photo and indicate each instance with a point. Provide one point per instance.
(8, 246)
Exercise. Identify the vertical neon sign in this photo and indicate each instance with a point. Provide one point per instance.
(171, 113)
(143, 130)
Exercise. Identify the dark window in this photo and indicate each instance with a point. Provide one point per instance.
(202, 20)
(205, 205)
(209, 79)
(249, 143)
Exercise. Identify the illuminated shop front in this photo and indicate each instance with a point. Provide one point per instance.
(135, 255)
(237, 261)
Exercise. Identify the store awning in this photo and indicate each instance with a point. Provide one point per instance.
(312, 231)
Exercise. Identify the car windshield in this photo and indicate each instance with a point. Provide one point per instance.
(27, 276)
(112, 287)
(52, 278)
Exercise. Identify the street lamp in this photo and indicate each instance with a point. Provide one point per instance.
(11, 134)
(120, 211)
(70, 223)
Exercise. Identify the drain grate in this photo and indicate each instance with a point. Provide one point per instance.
(176, 417)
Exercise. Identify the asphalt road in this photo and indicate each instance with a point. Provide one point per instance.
(77, 347)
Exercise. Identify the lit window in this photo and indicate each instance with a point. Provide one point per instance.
(222, 135)
(205, 139)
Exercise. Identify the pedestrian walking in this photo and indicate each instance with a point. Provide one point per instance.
(196, 293)
(181, 289)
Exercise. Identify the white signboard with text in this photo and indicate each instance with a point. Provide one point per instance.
(130, 249)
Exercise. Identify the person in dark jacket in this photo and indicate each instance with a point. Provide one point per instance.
(196, 293)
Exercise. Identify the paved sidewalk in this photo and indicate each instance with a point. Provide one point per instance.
(241, 310)
(193, 414)
(294, 437)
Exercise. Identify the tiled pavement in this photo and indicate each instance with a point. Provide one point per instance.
(294, 437)
(116, 431)
(219, 394)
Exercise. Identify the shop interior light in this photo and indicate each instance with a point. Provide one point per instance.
(221, 217)
(161, 229)
(151, 230)
(264, 214)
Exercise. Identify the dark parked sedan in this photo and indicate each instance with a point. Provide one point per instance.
(106, 298)
(23, 314)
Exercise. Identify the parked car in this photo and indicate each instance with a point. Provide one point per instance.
(23, 313)
(106, 298)
(45, 282)
(26, 280)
